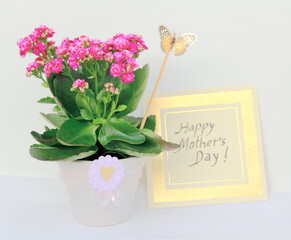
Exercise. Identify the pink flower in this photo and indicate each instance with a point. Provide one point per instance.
(80, 84)
(131, 64)
(112, 89)
(127, 53)
(108, 57)
(119, 56)
(116, 70)
(120, 43)
(96, 52)
(101, 180)
(127, 77)
(24, 45)
(142, 45)
(85, 40)
(39, 61)
(107, 85)
(133, 47)
(39, 48)
(73, 63)
(82, 53)
(131, 37)
(43, 32)
(117, 35)
(54, 66)
(64, 48)
(108, 45)
(32, 66)
(95, 42)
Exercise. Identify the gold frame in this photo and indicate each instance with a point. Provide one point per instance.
(254, 190)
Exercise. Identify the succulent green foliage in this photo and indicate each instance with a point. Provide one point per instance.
(55, 119)
(49, 137)
(64, 95)
(148, 148)
(150, 123)
(118, 129)
(77, 133)
(95, 122)
(57, 109)
(49, 100)
(136, 121)
(152, 145)
(165, 146)
(43, 152)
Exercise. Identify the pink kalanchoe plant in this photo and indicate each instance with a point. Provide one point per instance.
(94, 86)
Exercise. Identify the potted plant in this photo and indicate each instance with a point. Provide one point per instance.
(94, 87)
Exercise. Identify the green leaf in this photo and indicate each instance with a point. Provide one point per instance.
(165, 146)
(47, 100)
(150, 123)
(87, 115)
(56, 109)
(113, 106)
(131, 93)
(77, 133)
(100, 95)
(44, 84)
(63, 93)
(120, 108)
(134, 121)
(49, 137)
(50, 81)
(104, 100)
(43, 152)
(80, 101)
(118, 129)
(98, 121)
(55, 119)
(148, 148)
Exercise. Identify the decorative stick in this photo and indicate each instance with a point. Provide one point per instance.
(158, 81)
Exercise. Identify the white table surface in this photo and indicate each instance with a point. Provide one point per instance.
(38, 208)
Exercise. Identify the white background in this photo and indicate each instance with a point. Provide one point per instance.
(239, 43)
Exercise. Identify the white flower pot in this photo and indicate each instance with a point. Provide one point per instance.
(95, 208)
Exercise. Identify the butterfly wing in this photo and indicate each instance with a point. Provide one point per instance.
(164, 31)
(166, 38)
(183, 42)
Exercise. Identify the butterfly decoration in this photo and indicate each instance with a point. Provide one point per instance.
(178, 44)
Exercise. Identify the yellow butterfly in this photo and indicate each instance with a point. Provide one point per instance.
(180, 43)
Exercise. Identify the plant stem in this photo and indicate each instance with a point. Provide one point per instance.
(97, 68)
(119, 88)
(105, 109)
(67, 73)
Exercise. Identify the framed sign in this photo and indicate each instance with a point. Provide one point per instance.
(220, 157)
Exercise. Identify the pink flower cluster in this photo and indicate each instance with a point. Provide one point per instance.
(38, 44)
(34, 42)
(121, 51)
(80, 84)
(54, 66)
(109, 88)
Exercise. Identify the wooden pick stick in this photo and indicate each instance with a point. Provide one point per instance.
(158, 81)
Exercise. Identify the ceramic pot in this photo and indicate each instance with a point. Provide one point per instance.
(96, 208)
